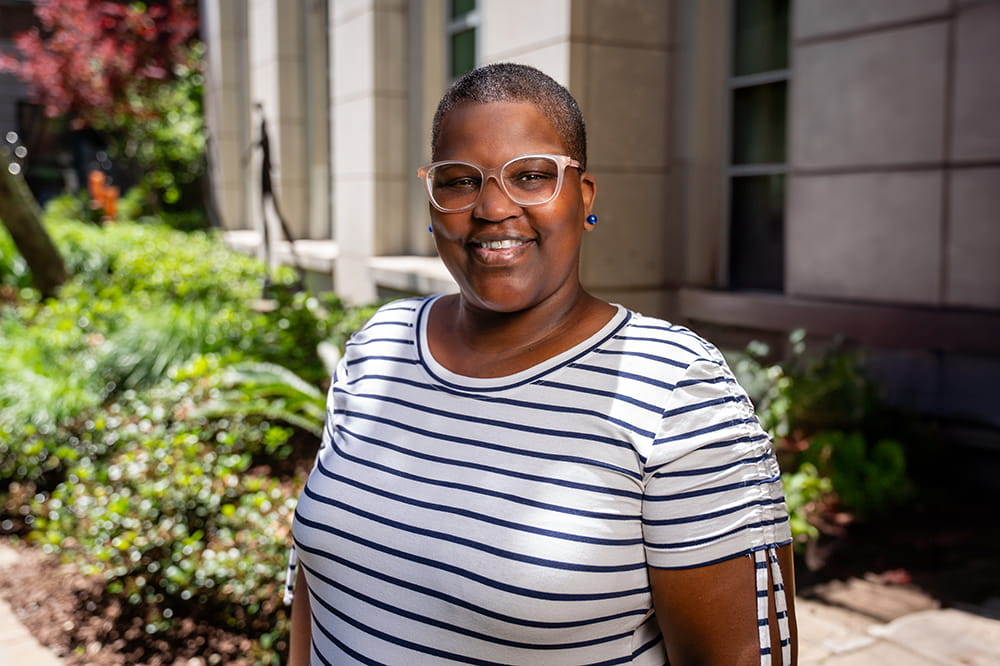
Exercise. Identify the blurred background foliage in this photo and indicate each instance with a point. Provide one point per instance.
(138, 90)
(156, 421)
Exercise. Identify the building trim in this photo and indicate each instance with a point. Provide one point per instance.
(888, 326)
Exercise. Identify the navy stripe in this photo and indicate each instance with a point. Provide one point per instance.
(462, 603)
(333, 639)
(658, 341)
(504, 424)
(469, 543)
(369, 341)
(647, 646)
(550, 408)
(621, 397)
(617, 372)
(724, 558)
(701, 471)
(392, 322)
(478, 489)
(703, 431)
(394, 359)
(524, 404)
(443, 508)
(394, 380)
(423, 619)
(708, 516)
(716, 537)
(634, 474)
(458, 571)
(389, 638)
(403, 305)
(759, 437)
(713, 490)
(705, 404)
(505, 472)
(684, 383)
(650, 357)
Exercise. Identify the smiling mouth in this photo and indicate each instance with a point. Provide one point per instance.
(499, 244)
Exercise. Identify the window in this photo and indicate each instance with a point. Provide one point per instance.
(758, 91)
(463, 24)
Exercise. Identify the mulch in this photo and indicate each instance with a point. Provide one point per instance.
(83, 624)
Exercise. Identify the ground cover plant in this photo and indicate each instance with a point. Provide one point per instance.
(155, 424)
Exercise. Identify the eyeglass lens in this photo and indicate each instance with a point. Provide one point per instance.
(527, 181)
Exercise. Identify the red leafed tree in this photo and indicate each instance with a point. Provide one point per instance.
(111, 66)
(94, 61)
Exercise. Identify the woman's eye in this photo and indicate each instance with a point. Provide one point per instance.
(462, 183)
(532, 176)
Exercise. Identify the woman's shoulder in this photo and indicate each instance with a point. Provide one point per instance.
(390, 331)
(660, 336)
(402, 312)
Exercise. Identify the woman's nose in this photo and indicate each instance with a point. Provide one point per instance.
(493, 203)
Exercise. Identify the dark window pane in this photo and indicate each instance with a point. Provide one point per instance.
(760, 36)
(756, 233)
(462, 7)
(759, 124)
(463, 52)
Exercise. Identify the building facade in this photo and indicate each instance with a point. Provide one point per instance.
(762, 165)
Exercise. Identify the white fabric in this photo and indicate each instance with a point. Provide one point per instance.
(511, 520)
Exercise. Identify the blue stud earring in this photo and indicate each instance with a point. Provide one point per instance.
(430, 228)
(591, 220)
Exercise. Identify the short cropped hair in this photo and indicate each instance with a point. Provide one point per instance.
(509, 82)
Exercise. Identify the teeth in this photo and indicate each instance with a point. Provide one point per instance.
(500, 244)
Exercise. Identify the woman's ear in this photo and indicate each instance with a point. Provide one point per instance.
(588, 190)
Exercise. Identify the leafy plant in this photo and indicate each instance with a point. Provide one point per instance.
(268, 390)
(144, 412)
(821, 412)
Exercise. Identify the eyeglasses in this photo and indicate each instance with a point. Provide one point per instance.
(528, 180)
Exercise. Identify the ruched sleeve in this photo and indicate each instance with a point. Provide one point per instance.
(713, 490)
(712, 486)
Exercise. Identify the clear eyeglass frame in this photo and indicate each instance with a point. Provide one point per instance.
(425, 173)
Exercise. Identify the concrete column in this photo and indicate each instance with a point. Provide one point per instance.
(227, 108)
(369, 121)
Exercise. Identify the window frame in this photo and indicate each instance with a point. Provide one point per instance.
(470, 20)
(731, 171)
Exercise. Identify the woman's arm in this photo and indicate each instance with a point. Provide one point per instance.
(301, 632)
(708, 615)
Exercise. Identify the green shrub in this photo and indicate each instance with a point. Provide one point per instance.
(176, 523)
(868, 478)
(822, 413)
(143, 410)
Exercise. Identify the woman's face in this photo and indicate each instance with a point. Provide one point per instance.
(540, 262)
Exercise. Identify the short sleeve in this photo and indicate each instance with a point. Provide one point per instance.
(712, 484)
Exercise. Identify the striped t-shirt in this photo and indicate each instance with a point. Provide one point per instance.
(510, 520)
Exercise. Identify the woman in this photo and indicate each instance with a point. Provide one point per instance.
(521, 473)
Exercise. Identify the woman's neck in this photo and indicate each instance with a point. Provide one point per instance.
(480, 343)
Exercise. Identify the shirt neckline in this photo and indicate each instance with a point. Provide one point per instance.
(454, 380)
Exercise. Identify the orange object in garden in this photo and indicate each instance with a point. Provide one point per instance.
(111, 194)
(102, 195)
(95, 184)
